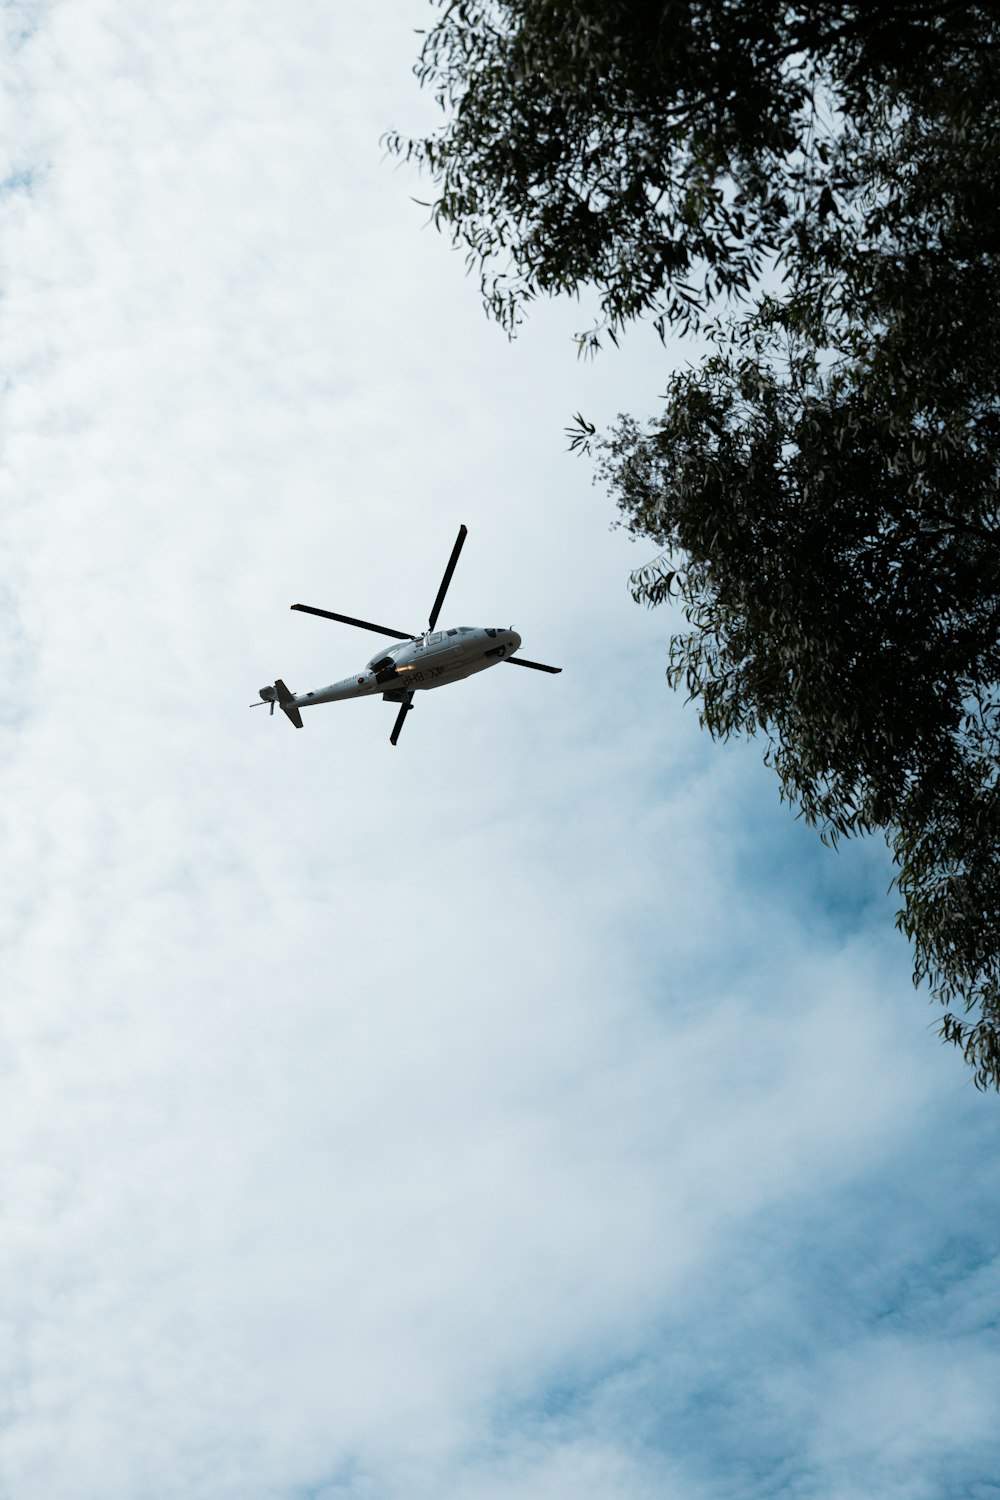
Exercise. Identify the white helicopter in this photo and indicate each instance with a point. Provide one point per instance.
(431, 660)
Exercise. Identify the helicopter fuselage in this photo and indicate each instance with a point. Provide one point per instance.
(432, 660)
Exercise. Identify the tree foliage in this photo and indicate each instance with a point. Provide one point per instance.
(658, 151)
(824, 487)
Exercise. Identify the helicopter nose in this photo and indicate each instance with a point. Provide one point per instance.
(515, 640)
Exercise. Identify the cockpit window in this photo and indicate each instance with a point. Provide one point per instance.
(451, 632)
(490, 631)
(465, 630)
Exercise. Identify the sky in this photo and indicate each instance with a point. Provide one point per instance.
(533, 1110)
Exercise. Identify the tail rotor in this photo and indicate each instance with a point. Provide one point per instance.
(279, 694)
(267, 695)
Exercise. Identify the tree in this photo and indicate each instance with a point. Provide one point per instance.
(824, 488)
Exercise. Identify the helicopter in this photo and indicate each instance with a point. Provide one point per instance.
(433, 659)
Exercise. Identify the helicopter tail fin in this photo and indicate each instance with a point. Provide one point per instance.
(286, 702)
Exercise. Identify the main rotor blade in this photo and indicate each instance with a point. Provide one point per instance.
(328, 614)
(407, 705)
(463, 532)
(536, 666)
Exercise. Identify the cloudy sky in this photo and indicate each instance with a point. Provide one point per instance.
(535, 1110)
